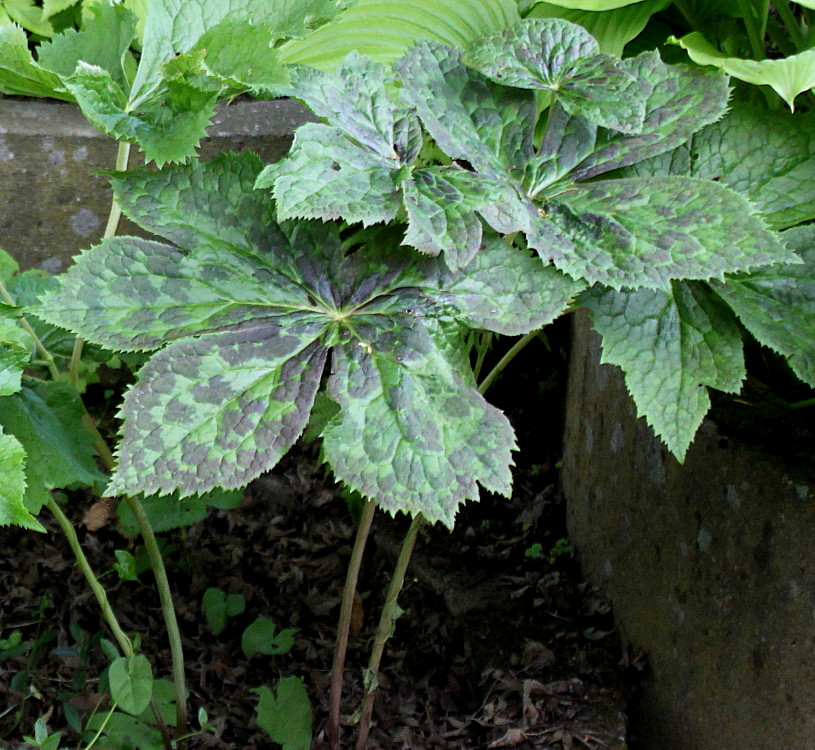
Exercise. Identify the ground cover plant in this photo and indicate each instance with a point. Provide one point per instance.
(350, 289)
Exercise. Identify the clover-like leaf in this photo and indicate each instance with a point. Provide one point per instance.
(247, 318)
(644, 232)
(563, 58)
(777, 304)
(670, 345)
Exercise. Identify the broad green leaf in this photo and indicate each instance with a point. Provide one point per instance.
(410, 433)
(47, 421)
(770, 159)
(594, 5)
(122, 730)
(670, 345)
(286, 717)
(103, 42)
(385, 29)
(563, 58)
(12, 487)
(15, 351)
(777, 304)
(644, 232)
(8, 266)
(263, 637)
(19, 74)
(218, 607)
(612, 29)
(679, 100)
(131, 683)
(29, 15)
(789, 76)
(249, 319)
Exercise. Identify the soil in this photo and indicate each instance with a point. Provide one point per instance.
(497, 646)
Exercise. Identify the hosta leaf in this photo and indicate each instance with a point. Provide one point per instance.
(789, 76)
(385, 29)
(229, 404)
(104, 42)
(612, 29)
(19, 74)
(248, 318)
(561, 57)
(643, 232)
(47, 421)
(593, 4)
(777, 304)
(769, 159)
(12, 489)
(410, 433)
(670, 345)
(678, 101)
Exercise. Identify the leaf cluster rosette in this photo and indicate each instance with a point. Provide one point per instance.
(244, 312)
(656, 249)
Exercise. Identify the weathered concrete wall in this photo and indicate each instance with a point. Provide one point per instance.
(52, 205)
(710, 568)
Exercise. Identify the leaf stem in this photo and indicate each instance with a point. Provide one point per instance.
(385, 629)
(505, 360)
(790, 24)
(168, 611)
(341, 648)
(802, 404)
(754, 29)
(114, 216)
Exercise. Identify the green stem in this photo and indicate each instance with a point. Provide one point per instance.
(754, 29)
(101, 728)
(341, 648)
(481, 348)
(802, 404)
(389, 611)
(790, 24)
(505, 360)
(167, 609)
(114, 216)
(780, 38)
(384, 630)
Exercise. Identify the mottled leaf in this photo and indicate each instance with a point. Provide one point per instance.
(644, 232)
(769, 159)
(670, 345)
(410, 433)
(679, 100)
(561, 57)
(777, 304)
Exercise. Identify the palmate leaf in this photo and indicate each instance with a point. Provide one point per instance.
(644, 232)
(563, 58)
(248, 320)
(777, 304)
(671, 345)
(361, 167)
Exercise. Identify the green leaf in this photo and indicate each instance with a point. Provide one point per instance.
(47, 421)
(218, 607)
(385, 29)
(777, 304)
(12, 507)
(15, 352)
(679, 100)
(287, 717)
(125, 565)
(561, 57)
(19, 74)
(131, 683)
(103, 42)
(8, 266)
(410, 433)
(29, 15)
(789, 76)
(249, 327)
(769, 159)
(644, 232)
(263, 637)
(670, 345)
(612, 29)
(594, 5)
